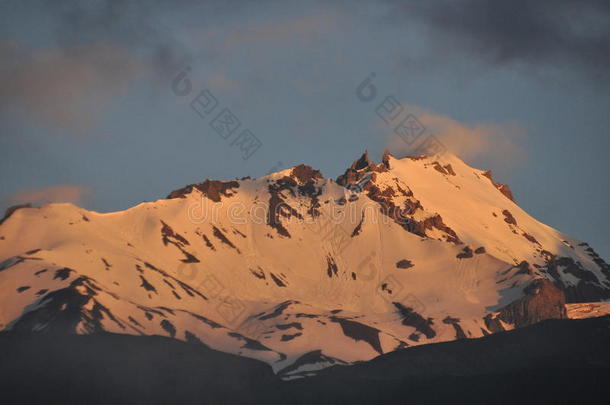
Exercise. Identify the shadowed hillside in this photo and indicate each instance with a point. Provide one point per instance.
(557, 361)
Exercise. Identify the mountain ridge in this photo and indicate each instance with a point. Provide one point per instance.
(405, 252)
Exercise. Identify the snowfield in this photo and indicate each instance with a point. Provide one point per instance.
(298, 270)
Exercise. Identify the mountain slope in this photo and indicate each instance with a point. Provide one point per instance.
(297, 270)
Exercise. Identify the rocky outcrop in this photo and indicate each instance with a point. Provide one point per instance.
(363, 173)
(63, 310)
(436, 222)
(11, 210)
(303, 182)
(361, 167)
(447, 169)
(509, 218)
(503, 188)
(466, 253)
(404, 264)
(213, 189)
(305, 174)
(542, 300)
(278, 207)
(588, 288)
(603, 266)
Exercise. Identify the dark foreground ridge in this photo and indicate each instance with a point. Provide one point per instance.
(555, 361)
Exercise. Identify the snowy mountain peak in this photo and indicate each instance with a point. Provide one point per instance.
(297, 270)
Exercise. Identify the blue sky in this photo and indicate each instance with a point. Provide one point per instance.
(87, 112)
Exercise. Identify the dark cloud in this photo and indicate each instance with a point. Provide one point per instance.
(541, 33)
(66, 90)
(91, 53)
(151, 27)
(134, 24)
(83, 54)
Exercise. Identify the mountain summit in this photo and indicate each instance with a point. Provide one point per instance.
(298, 270)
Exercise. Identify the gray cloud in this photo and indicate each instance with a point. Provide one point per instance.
(133, 24)
(92, 51)
(556, 33)
(67, 89)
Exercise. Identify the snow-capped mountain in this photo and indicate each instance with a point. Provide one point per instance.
(298, 270)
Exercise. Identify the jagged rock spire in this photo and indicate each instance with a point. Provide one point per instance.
(362, 162)
(385, 159)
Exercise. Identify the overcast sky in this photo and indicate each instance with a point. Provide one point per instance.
(88, 113)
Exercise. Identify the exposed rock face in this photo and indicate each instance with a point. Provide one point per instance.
(435, 222)
(588, 287)
(509, 218)
(401, 214)
(503, 188)
(302, 182)
(361, 163)
(446, 169)
(404, 264)
(63, 310)
(304, 174)
(603, 266)
(385, 159)
(465, 254)
(213, 189)
(11, 210)
(360, 168)
(542, 300)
